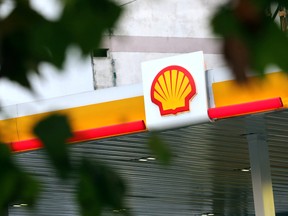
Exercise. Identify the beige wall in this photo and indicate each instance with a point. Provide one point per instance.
(151, 29)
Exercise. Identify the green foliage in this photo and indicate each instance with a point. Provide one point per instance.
(77, 20)
(54, 132)
(19, 50)
(160, 149)
(99, 187)
(252, 40)
(16, 185)
(28, 39)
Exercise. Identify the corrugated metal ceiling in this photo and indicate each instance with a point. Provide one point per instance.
(204, 176)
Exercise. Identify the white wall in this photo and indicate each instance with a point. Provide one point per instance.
(151, 29)
(168, 18)
(128, 65)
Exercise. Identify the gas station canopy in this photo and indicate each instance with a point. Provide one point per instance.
(219, 132)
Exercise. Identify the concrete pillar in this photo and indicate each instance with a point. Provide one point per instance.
(260, 168)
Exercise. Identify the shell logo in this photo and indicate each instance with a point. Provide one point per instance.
(172, 89)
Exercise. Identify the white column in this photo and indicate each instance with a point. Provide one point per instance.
(260, 168)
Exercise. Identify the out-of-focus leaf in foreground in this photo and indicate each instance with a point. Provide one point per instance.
(28, 39)
(99, 187)
(19, 50)
(85, 21)
(16, 185)
(160, 149)
(252, 40)
(54, 131)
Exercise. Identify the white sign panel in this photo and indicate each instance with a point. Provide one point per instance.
(175, 91)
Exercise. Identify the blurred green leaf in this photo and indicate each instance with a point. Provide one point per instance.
(30, 188)
(16, 185)
(54, 131)
(252, 40)
(28, 39)
(160, 149)
(271, 48)
(18, 53)
(281, 2)
(85, 21)
(99, 187)
(225, 23)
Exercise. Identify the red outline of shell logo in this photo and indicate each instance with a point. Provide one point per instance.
(172, 89)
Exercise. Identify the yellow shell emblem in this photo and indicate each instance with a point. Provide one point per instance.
(172, 89)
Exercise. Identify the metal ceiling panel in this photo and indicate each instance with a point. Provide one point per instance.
(204, 176)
